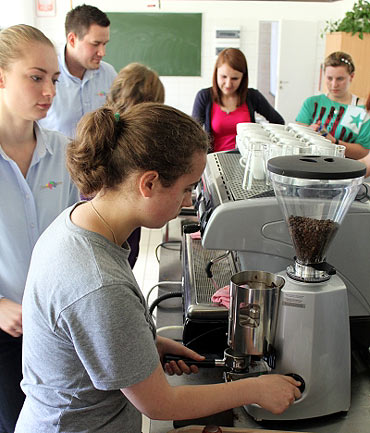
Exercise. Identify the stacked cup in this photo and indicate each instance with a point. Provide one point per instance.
(258, 143)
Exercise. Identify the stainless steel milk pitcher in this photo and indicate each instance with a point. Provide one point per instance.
(253, 311)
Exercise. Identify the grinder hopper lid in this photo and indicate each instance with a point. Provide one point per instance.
(316, 167)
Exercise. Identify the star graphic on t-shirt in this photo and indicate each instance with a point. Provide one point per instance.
(356, 120)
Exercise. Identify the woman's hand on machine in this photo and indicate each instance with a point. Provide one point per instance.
(168, 346)
(276, 393)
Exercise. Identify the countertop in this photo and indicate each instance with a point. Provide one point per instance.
(169, 313)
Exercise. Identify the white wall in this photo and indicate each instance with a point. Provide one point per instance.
(180, 91)
(17, 12)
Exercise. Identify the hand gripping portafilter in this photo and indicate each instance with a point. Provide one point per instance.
(251, 325)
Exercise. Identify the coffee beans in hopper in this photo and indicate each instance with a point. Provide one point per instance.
(311, 237)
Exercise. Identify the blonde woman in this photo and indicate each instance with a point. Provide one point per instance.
(34, 187)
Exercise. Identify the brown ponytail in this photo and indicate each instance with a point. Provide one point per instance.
(148, 136)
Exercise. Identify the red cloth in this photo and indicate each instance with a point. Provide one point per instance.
(195, 235)
(224, 126)
(222, 296)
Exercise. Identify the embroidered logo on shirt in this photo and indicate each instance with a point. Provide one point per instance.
(102, 93)
(51, 184)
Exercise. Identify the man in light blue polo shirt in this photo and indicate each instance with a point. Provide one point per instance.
(85, 79)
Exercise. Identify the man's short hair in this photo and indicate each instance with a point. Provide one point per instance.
(79, 20)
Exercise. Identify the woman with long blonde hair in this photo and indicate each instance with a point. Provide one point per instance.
(34, 186)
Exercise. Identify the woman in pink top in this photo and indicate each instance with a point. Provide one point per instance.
(229, 101)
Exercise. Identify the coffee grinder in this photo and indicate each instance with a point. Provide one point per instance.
(312, 335)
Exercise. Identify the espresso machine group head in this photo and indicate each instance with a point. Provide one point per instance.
(312, 335)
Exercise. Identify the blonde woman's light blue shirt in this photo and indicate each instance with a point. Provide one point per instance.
(29, 204)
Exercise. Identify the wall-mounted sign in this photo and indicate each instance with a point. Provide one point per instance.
(45, 8)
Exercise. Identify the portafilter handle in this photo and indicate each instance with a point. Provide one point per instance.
(231, 361)
(205, 363)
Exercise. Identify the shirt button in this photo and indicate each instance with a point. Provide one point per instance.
(32, 225)
(27, 196)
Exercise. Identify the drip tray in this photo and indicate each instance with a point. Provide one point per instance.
(198, 287)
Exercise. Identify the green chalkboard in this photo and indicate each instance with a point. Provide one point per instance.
(169, 43)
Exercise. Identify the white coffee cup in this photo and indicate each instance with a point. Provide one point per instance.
(296, 148)
(247, 126)
(274, 127)
(321, 141)
(324, 149)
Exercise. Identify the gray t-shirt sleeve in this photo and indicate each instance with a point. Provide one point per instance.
(110, 332)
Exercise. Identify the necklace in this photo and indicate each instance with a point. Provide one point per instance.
(104, 222)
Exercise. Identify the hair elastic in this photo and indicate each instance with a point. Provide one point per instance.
(117, 117)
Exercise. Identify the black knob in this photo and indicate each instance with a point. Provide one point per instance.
(191, 228)
(298, 378)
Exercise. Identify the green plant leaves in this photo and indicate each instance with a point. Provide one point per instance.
(355, 21)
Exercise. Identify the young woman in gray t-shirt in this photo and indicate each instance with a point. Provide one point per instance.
(92, 360)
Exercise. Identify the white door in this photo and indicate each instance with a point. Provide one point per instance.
(296, 66)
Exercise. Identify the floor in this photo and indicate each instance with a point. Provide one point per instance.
(146, 271)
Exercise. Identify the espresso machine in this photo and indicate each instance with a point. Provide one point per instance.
(308, 334)
(248, 229)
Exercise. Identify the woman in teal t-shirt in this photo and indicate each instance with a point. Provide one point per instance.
(339, 114)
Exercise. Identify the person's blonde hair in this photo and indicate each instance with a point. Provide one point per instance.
(14, 41)
(135, 83)
(340, 58)
(110, 146)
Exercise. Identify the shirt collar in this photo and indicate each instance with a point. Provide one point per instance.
(3, 154)
(42, 144)
(87, 75)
